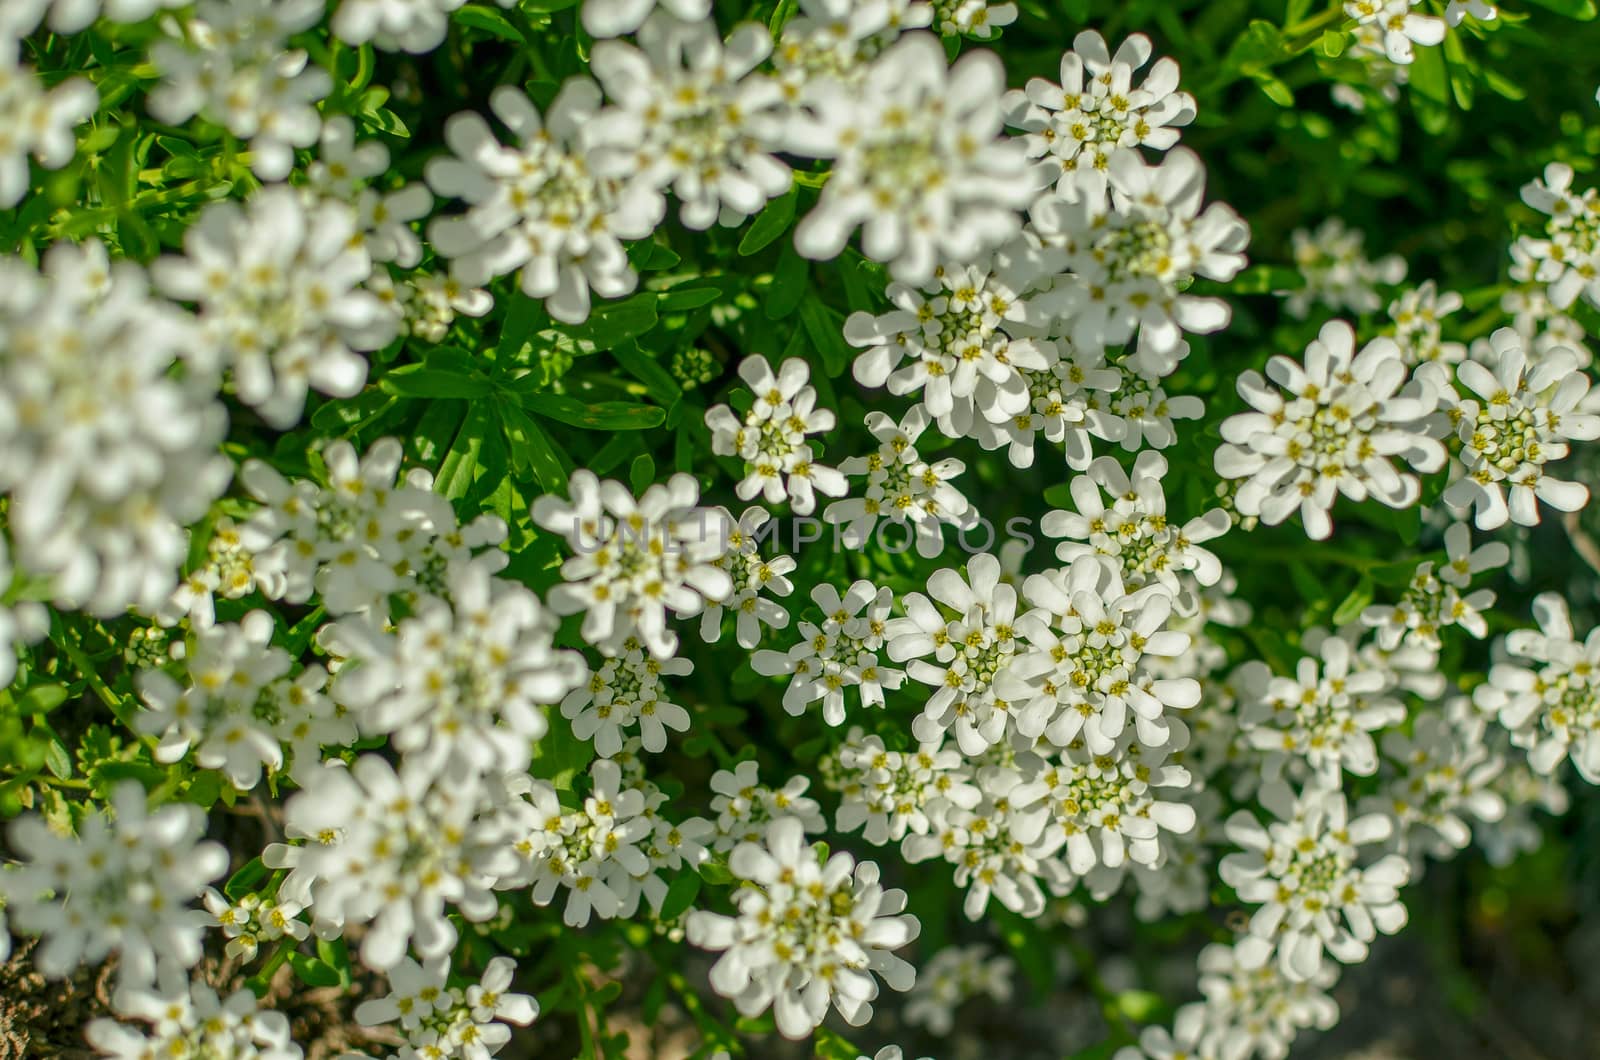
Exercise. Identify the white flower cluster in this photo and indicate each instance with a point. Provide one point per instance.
(444, 1022)
(107, 446)
(1565, 257)
(808, 934)
(121, 885)
(1337, 272)
(193, 1021)
(779, 463)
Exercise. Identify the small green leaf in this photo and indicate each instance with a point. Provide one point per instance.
(642, 472)
(249, 876)
(313, 972)
(788, 284)
(1582, 10)
(419, 380)
(610, 323)
(531, 451)
(680, 895)
(601, 416)
(771, 222)
(688, 297)
(42, 699)
(1358, 601)
(488, 20)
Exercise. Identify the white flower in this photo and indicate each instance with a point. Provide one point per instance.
(252, 921)
(1520, 421)
(1070, 402)
(1255, 1010)
(779, 463)
(396, 25)
(122, 885)
(388, 850)
(834, 41)
(1078, 124)
(1383, 76)
(1301, 871)
(839, 654)
(1325, 714)
(968, 651)
(1134, 245)
(744, 807)
(634, 560)
(996, 845)
(1458, 10)
(1134, 533)
(1548, 693)
(954, 975)
(1180, 882)
(441, 1020)
(539, 208)
(458, 685)
(918, 161)
(614, 18)
(107, 450)
(431, 301)
(230, 571)
(807, 935)
(1400, 24)
(1183, 1042)
(592, 852)
(752, 574)
(888, 793)
(979, 19)
(1337, 273)
(230, 66)
(1082, 672)
(1542, 326)
(278, 285)
(1433, 601)
(38, 122)
(1565, 256)
(952, 336)
(690, 113)
(229, 712)
(1110, 808)
(902, 487)
(22, 17)
(1416, 315)
(1333, 426)
(626, 692)
(344, 170)
(1441, 774)
(363, 536)
(191, 1019)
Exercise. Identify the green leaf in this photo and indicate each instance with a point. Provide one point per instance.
(532, 452)
(490, 21)
(1351, 607)
(610, 323)
(1333, 43)
(680, 895)
(249, 876)
(642, 472)
(42, 699)
(419, 380)
(601, 416)
(57, 760)
(456, 471)
(657, 380)
(1267, 279)
(771, 222)
(688, 297)
(825, 328)
(314, 972)
(1583, 10)
(788, 284)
